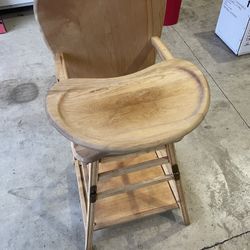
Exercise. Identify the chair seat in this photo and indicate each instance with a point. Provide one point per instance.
(152, 107)
(85, 155)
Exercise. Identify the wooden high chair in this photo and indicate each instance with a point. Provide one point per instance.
(121, 111)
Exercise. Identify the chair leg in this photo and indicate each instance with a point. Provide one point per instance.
(92, 191)
(173, 162)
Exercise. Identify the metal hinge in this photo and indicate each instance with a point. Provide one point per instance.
(93, 194)
(176, 172)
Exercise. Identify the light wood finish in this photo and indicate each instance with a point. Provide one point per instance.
(81, 189)
(85, 174)
(172, 158)
(132, 187)
(85, 155)
(89, 226)
(167, 169)
(61, 70)
(162, 50)
(102, 38)
(142, 107)
(82, 154)
(152, 107)
(119, 157)
(136, 204)
(131, 168)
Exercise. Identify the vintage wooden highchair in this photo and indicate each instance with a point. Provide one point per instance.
(121, 111)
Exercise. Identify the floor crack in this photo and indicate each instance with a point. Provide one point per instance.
(222, 242)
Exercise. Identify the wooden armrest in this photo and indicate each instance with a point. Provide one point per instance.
(161, 49)
(61, 71)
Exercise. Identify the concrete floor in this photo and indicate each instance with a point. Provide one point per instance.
(39, 204)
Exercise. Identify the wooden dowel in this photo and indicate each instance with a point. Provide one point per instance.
(131, 187)
(83, 167)
(62, 73)
(82, 191)
(162, 50)
(172, 158)
(84, 170)
(93, 171)
(132, 168)
(167, 169)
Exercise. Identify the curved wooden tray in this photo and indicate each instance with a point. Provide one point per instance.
(152, 107)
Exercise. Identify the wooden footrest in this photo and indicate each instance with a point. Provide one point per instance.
(136, 204)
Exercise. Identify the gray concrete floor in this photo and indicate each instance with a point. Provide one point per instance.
(39, 204)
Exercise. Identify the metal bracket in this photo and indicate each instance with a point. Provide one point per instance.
(176, 172)
(93, 194)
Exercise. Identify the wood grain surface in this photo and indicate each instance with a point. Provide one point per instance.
(136, 204)
(101, 38)
(152, 107)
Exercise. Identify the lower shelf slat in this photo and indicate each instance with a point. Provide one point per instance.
(133, 205)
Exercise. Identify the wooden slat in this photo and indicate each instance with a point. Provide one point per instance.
(118, 157)
(132, 168)
(162, 50)
(131, 187)
(85, 175)
(82, 191)
(168, 170)
(93, 172)
(135, 204)
(170, 149)
(61, 70)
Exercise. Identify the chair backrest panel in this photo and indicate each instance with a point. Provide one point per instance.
(102, 38)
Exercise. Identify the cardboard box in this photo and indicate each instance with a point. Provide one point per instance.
(233, 25)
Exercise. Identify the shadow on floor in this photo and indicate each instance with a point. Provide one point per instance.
(216, 47)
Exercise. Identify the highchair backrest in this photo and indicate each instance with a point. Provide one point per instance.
(101, 38)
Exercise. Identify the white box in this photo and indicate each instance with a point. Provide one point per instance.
(233, 25)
